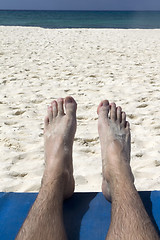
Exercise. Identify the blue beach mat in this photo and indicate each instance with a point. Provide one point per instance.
(86, 215)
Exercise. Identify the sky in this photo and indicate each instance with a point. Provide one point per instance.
(80, 4)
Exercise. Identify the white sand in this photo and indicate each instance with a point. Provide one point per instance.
(39, 65)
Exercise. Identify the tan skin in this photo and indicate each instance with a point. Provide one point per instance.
(129, 219)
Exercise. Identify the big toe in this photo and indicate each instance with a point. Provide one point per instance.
(70, 106)
(103, 108)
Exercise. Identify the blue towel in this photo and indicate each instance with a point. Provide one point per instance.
(86, 215)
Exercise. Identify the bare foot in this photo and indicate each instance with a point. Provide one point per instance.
(114, 133)
(59, 132)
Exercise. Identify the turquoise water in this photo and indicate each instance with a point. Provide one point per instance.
(81, 19)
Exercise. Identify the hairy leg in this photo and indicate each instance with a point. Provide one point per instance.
(45, 219)
(129, 219)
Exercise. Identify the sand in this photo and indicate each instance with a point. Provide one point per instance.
(38, 65)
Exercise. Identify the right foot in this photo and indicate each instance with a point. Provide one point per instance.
(114, 133)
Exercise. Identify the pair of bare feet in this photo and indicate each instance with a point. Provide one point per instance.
(129, 220)
(59, 131)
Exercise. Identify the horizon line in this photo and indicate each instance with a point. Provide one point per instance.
(80, 10)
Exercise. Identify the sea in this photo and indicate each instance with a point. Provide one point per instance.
(82, 19)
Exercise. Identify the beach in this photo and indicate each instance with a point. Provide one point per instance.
(39, 65)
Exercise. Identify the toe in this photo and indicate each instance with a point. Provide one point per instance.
(103, 108)
(123, 119)
(70, 106)
(50, 113)
(119, 114)
(127, 126)
(60, 106)
(99, 107)
(113, 112)
(55, 108)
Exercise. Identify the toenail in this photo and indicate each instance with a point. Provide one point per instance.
(105, 103)
(69, 99)
(60, 99)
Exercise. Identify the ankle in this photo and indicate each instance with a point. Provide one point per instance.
(54, 177)
(121, 182)
(61, 183)
(51, 191)
(123, 192)
(118, 166)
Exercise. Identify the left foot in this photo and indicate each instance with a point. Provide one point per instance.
(59, 132)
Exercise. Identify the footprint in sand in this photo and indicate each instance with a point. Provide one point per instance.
(157, 163)
(131, 116)
(10, 123)
(142, 105)
(139, 155)
(17, 174)
(80, 180)
(19, 112)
